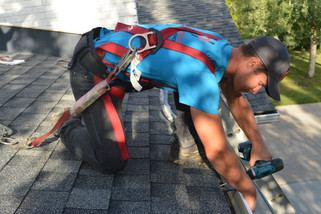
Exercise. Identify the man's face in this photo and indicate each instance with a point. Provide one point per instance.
(249, 81)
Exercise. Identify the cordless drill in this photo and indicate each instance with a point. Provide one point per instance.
(261, 168)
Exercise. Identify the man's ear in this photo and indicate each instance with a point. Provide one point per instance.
(253, 61)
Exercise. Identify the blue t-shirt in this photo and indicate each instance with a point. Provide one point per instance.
(191, 78)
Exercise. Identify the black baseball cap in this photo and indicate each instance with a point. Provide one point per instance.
(275, 57)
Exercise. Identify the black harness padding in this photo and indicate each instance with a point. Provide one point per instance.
(86, 55)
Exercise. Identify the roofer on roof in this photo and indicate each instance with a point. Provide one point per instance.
(194, 63)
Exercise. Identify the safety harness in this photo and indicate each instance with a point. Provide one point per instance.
(152, 40)
(92, 59)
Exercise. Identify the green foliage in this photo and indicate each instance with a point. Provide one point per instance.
(289, 20)
(295, 88)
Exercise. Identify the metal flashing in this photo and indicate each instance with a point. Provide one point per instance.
(267, 117)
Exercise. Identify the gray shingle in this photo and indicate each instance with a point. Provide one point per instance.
(137, 139)
(43, 202)
(131, 188)
(159, 152)
(139, 152)
(89, 199)
(54, 181)
(132, 207)
(160, 139)
(63, 166)
(94, 182)
(138, 127)
(84, 211)
(9, 204)
(136, 167)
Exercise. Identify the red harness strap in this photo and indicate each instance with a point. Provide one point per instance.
(66, 115)
(167, 32)
(171, 45)
(115, 121)
(63, 118)
(191, 52)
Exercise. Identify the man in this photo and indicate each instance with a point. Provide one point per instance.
(189, 61)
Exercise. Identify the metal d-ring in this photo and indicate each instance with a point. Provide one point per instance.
(17, 143)
(145, 36)
(8, 140)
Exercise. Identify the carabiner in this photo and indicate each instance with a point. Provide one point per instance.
(125, 60)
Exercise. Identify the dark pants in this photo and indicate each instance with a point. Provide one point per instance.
(94, 138)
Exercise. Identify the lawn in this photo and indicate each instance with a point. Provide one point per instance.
(295, 88)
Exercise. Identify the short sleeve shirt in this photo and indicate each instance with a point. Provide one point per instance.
(196, 85)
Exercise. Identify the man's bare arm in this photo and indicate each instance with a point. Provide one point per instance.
(222, 158)
(242, 112)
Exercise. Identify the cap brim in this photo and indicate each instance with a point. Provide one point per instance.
(273, 89)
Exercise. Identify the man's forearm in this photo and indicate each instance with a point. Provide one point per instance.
(228, 166)
(222, 158)
(244, 116)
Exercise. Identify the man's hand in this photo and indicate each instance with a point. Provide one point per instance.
(259, 152)
(251, 201)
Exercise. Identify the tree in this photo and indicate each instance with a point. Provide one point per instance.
(261, 17)
(313, 17)
(295, 23)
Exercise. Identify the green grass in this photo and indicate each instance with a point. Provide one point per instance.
(295, 87)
